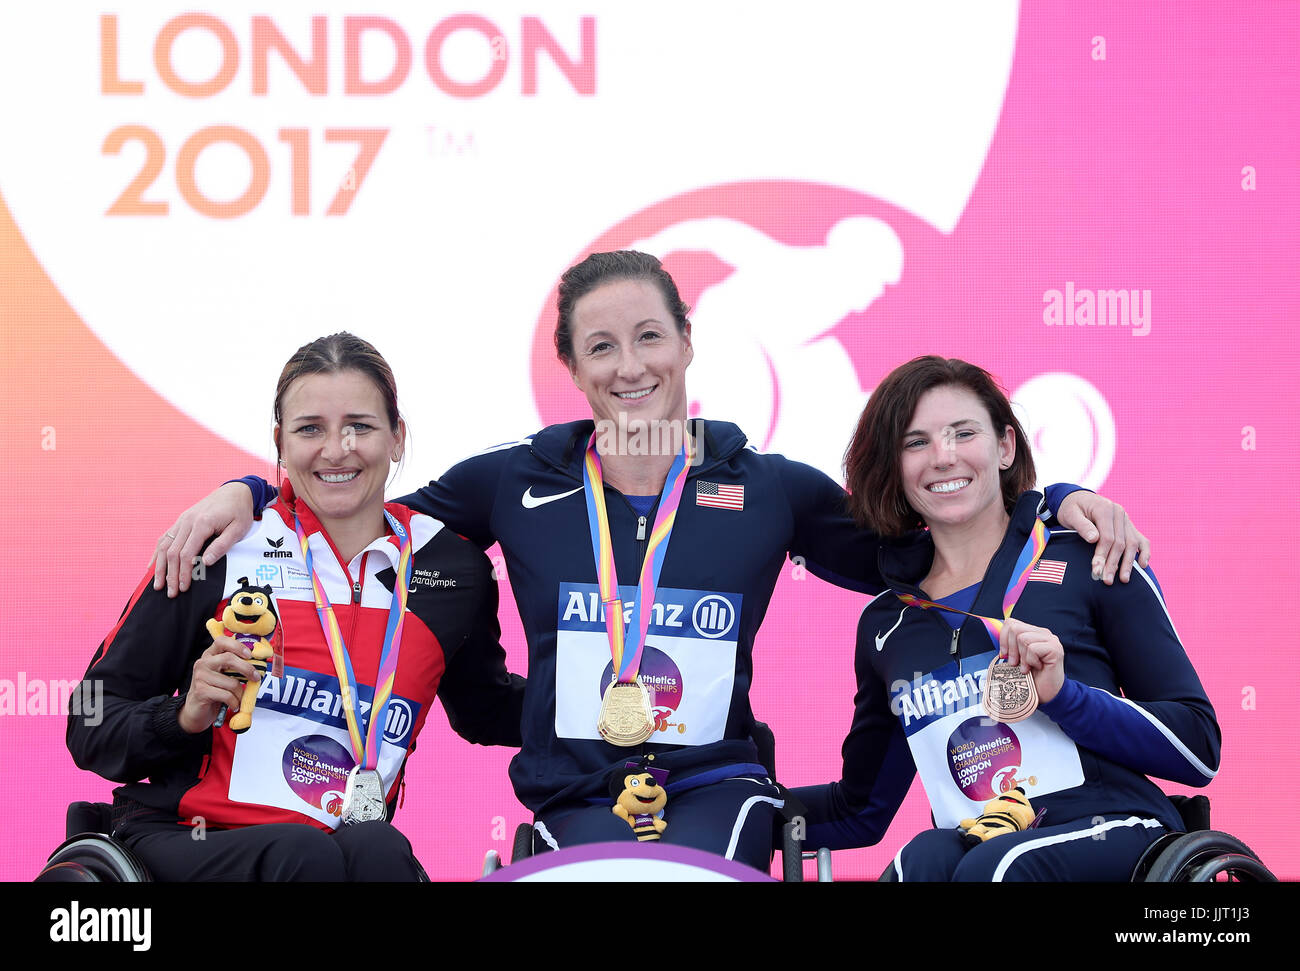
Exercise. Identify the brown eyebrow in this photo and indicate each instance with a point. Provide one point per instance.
(951, 424)
(608, 334)
(322, 417)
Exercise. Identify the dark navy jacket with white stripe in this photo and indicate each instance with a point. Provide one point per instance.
(718, 576)
(1131, 704)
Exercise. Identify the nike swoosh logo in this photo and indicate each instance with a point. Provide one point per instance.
(531, 501)
(880, 641)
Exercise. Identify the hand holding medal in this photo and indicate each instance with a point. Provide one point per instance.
(1031, 664)
(1009, 693)
(1036, 655)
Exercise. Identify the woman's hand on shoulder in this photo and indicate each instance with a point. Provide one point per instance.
(1101, 521)
(1038, 652)
(227, 511)
(213, 686)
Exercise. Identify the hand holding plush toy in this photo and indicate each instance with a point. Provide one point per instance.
(250, 618)
(1008, 813)
(639, 801)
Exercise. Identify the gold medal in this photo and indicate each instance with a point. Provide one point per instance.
(1009, 693)
(626, 715)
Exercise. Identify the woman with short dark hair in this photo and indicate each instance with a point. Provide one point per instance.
(995, 664)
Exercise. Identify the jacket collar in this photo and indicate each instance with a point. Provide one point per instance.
(563, 446)
(288, 505)
(905, 562)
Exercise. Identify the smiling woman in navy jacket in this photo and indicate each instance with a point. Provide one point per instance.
(938, 446)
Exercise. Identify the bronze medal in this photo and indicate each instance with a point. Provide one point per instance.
(1009, 693)
(626, 716)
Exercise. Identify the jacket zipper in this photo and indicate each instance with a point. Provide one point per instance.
(643, 541)
(642, 524)
(356, 595)
(933, 613)
(953, 645)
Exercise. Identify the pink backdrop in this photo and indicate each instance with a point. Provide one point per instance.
(1131, 151)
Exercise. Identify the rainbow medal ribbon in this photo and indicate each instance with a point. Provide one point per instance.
(363, 800)
(627, 706)
(1009, 694)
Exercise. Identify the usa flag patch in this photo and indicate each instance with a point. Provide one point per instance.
(720, 496)
(1049, 571)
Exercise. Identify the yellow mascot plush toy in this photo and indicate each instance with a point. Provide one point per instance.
(639, 801)
(250, 618)
(1008, 813)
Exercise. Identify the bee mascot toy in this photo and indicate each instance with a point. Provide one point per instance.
(639, 800)
(249, 618)
(1008, 813)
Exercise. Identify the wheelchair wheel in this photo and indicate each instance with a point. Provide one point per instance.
(93, 858)
(791, 855)
(1200, 857)
(68, 871)
(523, 847)
(1242, 869)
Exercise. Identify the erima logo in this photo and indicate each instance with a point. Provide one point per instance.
(275, 550)
(531, 501)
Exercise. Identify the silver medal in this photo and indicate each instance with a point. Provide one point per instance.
(363, 800)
